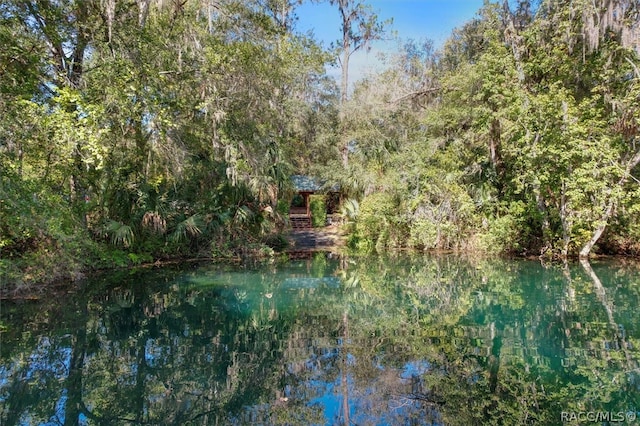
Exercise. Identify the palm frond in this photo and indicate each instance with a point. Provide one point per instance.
(188, 228)
(350, 208)
(154, 222)
(120, 233)
(243, 215)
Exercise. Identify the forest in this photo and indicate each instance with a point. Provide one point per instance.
(140, 131)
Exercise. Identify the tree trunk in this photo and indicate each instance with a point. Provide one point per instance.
(344, 142)
(546, 224)
(566, 221)
(346, 54)
(495, 155)
(602, 225)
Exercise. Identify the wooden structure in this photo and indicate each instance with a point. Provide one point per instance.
(305, 186)
(300, 213)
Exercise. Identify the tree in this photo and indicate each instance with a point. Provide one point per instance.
(590, 139)
(525, 113)
(360, 26)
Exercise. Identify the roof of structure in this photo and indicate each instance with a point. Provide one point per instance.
(303, 183)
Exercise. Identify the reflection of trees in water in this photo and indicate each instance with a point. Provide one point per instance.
(547, 356)
(439, 340)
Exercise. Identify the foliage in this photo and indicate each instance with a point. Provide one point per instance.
(277, 242)
(509, 232)
(378, 224)
(318, 208)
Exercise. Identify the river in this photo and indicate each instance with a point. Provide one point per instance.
(380, 340)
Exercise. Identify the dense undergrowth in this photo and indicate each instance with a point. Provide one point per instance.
(44, 240)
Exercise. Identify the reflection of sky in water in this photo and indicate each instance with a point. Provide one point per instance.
(414, 369)
(360, 403)
(331, 394)
(47, 362)
(330, 399)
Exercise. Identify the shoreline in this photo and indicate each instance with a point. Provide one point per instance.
(35, 290)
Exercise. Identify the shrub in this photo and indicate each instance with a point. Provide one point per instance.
(283, 207)
(318, 209)
(423, 234)
(377, 214)
(508, 233)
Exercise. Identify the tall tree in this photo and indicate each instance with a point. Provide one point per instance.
(360, 26)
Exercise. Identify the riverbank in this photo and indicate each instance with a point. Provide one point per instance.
(36, 273)
(39, 271)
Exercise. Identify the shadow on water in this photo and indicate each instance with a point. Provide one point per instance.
(325, 340)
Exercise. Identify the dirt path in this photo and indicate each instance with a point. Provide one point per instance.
(328, 238)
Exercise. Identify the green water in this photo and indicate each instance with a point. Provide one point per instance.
(373, 340)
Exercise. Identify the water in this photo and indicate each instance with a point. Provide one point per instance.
(372, 340)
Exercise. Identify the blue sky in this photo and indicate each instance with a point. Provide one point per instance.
(415, 19)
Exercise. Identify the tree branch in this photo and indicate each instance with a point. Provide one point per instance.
(415, 94)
